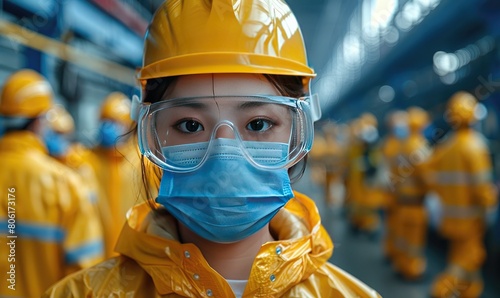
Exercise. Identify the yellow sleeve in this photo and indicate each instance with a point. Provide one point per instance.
(82, 244)
(480, 166)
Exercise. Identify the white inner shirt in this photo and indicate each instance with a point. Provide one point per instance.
(238, 286)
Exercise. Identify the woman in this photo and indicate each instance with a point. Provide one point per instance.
(226, 114)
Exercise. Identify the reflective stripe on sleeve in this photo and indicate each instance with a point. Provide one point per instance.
(34, 231)
(83, 252)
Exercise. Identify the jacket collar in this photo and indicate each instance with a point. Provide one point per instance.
(152, 241)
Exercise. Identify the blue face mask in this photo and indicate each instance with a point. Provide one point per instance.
(56, 143)
(227, 199)
(109, 133)
(401, 131)
(429, 132)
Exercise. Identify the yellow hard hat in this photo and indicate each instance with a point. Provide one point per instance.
(224, 36)
(26, 93)
(116, 107)
(418, 118)
(397, 117)
(460, 109)
(60, 120)
(368, 119)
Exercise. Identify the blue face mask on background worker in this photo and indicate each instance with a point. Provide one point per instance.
(109, 133)
(56, 143)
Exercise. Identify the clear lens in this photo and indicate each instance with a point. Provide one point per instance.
(251, 120)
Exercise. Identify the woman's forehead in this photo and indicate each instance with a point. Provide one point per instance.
(220, 84)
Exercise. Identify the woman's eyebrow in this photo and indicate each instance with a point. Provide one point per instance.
(251, 104)
(195, 105)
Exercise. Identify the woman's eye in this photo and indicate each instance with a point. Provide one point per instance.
(259, 125)
(189, 126)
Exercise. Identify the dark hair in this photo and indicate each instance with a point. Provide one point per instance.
(155, 89)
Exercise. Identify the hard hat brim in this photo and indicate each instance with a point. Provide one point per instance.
(223, 62)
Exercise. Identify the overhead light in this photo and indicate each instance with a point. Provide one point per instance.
(386, 93)
(445, 63)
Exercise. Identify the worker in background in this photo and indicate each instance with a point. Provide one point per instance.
(117, 165)
(409, 211)
(335, 164)
(352, 174)
(391, 147)
(75, 155)
(364, 189)
(46, 216)
(316, 158)
(461, 175)
(327, 162)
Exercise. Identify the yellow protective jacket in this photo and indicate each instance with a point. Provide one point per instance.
(460, 173)
(410, 183)
(118, 172)
(391, 148)
(79, 159)
(354, 174)
(154, 266)
(45, 216)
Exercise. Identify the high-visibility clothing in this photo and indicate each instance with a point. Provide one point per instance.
(390, 149)
(335, 164)
(460, 173)
(409, 209)
(365, 192)
(151, 265)
(411, 234)
(462, 277)
(327, 164)
(316, 160)
(56, 229)
(79, 159)
(118, 172)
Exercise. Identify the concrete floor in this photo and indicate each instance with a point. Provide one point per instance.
(362, 257)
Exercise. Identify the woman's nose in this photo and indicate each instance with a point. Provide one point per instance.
(224, 131)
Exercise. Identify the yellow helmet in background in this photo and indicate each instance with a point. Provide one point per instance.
(368, 119)
(25, 94)
(418, 118)
(461, 108)
(366, 128)
(116, 107)
(60, 120)
(394, 118)
(224, 36)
